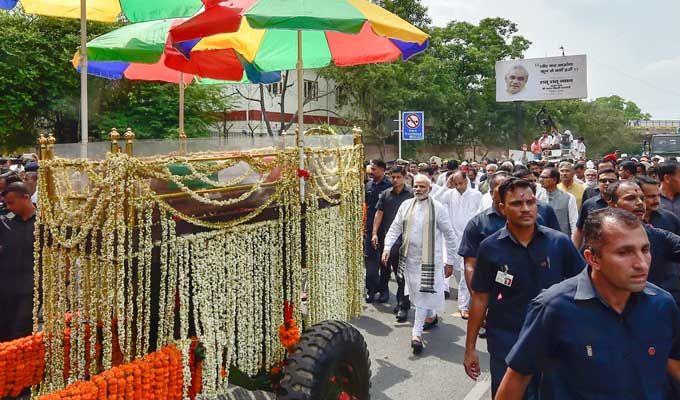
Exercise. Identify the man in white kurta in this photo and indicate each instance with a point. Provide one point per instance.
(426, 304)
(462, 203)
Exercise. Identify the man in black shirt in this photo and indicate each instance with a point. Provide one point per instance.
(387, 207)
(376, 185)
(16, 263)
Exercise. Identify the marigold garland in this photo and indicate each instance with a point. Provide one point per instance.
(289, 333)
(157, 376)
(22, 364)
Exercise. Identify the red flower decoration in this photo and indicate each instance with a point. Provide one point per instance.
(303, 173)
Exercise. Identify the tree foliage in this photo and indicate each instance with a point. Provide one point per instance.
(453, 81)
(41, 90)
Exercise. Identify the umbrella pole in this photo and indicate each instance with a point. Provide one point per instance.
(83, 79)
(301, 123)
(181, 104)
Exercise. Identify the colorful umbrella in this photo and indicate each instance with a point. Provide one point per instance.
(109, 10)
(287, 34)
(141, 51)
(105, 11)
(148, 42)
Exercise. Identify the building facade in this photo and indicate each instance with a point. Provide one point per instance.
(280, 106)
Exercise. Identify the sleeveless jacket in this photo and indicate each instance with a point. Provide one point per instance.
(559, 201)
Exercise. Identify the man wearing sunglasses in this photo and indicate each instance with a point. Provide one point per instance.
(605, 177)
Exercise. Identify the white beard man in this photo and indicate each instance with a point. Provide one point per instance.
(426, 232)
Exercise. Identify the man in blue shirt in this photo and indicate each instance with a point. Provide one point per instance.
(605, 177)
(376, 185)
(669, 175)
(655, 215)
(606, 333)
(491, 221)
(664, 270)
(513, 266)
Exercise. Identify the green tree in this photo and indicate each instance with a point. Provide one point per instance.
(41, 90)
(630, 110)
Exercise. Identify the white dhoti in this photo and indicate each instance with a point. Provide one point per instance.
(431, 302)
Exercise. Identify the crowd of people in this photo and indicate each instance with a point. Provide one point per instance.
(570, 270)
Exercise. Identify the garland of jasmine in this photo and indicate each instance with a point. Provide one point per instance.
(94, 259)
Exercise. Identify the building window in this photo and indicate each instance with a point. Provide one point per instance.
(311, 90)
(275, 89)
(341, 92)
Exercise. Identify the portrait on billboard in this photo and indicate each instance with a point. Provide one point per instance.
(516, 80)
(540, 79)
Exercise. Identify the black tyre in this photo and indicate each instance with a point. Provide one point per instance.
(329, 363)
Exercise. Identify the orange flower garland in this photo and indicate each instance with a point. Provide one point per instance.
(158, 376)
(22, 364)
(289, 333)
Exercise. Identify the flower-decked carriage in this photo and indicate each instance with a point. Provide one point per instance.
(165, 275)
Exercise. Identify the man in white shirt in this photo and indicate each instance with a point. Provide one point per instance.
(463, 203)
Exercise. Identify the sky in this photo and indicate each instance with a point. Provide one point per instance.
(633, 47)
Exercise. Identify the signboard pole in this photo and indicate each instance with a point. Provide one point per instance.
(518, 124)
(400, 131)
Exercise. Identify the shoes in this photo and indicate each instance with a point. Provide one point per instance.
(464, 314)
(417, 346)
(431, 324)
(384, 297)
(396, 309)
(402, 315)
(370, 296)
(447, 294)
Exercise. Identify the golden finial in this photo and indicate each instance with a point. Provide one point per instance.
(129, 137)
(42, 140)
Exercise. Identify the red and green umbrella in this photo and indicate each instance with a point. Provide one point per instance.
(279, 35)
(148, 43)
(142, 51)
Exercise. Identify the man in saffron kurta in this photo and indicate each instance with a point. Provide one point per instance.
(427, 232)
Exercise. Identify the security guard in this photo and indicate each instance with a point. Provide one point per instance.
(16, 263)
(606, 333)
(665, 246)
(655, 215)
(376, 185)
(513, 266)
(605, 177)
(492, 220)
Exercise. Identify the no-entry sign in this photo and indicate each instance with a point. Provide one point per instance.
(413, 125)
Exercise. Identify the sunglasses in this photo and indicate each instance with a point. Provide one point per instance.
(608, 180)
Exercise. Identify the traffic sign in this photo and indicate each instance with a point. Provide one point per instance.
(413, 125)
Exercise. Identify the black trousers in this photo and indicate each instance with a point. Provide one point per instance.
(393, 264)
(377, 275)
(16, 320)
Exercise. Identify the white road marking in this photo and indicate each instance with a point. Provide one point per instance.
(479, 390)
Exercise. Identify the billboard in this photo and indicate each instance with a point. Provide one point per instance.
(535, 79)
